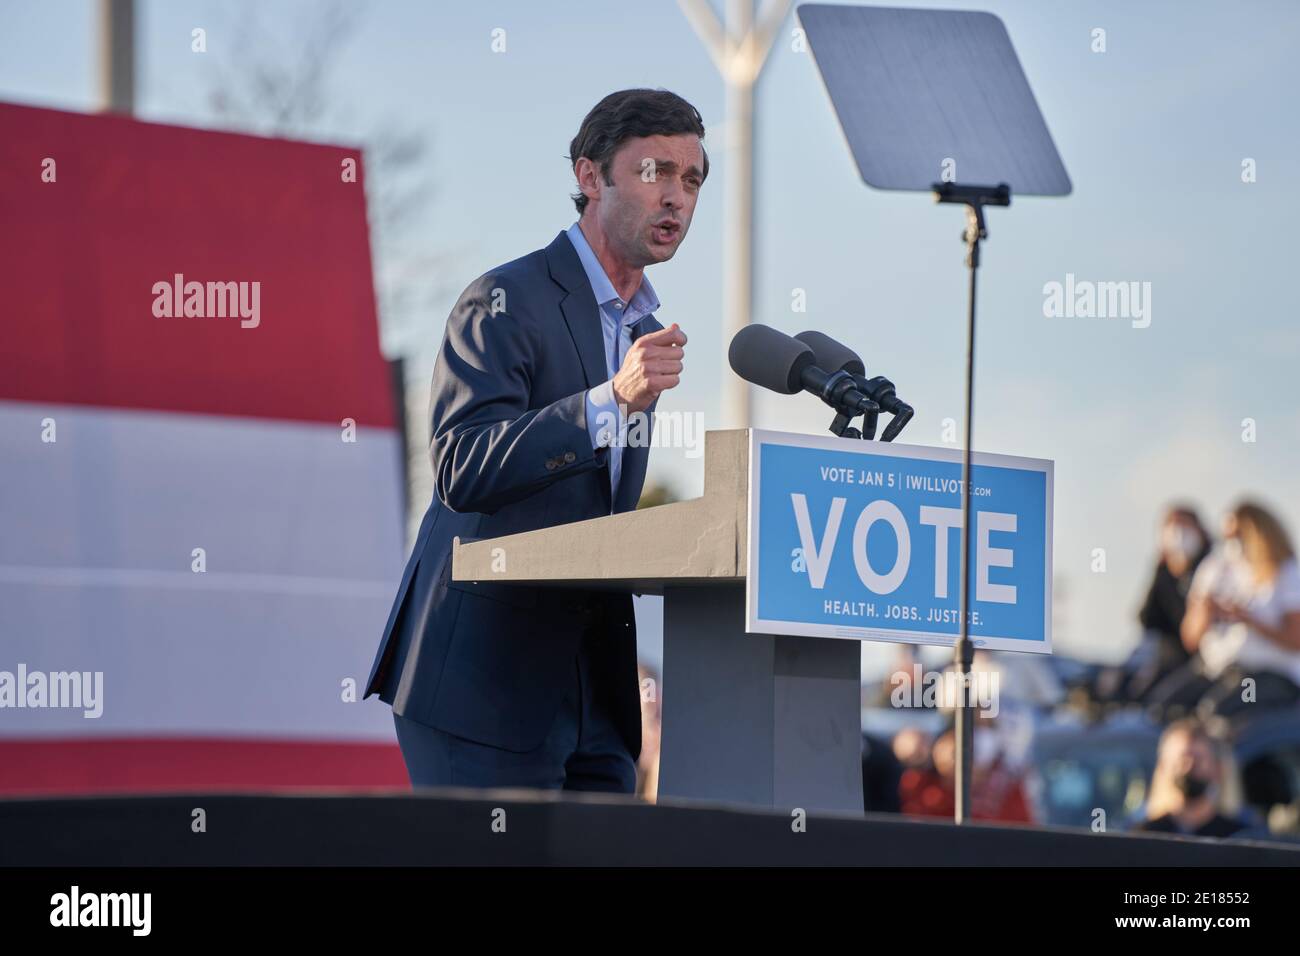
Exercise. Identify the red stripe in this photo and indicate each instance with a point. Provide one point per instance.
(140, 765)
(136, 203)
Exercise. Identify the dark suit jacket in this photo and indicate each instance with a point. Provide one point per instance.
(490, 661)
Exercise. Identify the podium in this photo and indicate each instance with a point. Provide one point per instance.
(766, 720)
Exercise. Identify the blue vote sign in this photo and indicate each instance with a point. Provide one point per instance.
(862, 540)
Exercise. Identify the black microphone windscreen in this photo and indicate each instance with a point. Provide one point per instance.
(831, 355)
(770, 358)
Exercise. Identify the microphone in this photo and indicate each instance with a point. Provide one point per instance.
(828, 353)
(769, 358)
(832, 354)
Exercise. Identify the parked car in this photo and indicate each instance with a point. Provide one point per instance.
(1078, 769)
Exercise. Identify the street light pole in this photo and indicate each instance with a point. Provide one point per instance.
(117, 56)
(739, 50)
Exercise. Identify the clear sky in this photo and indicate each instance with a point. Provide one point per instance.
(1153, 132)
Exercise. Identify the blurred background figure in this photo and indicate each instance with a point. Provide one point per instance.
(882, 773)
(927, 786)
(1184, 544)
(1191, 788)
(1242, 624)
(911, 748)
(647, 764)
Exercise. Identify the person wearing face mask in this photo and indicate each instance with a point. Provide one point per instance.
(1187, 787)
(1183, 546)
(1242, 623)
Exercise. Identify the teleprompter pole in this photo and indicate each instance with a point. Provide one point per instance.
(975, 198)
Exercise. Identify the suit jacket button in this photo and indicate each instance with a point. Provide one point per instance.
(551, 464)
(570, 457)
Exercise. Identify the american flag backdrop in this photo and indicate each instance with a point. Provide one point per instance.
(204, 509)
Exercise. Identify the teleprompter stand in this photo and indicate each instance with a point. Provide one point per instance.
(920, 92)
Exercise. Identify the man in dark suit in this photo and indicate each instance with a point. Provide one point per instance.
(544, 367)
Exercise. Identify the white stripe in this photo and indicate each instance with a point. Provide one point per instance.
(302, 539)
(189, 580)
(131, 489)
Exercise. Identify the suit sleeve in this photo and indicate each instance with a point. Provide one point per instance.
(490, 447)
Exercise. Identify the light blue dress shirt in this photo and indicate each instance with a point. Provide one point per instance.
(616, 320)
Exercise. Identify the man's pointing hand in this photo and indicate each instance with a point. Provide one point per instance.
(652, 365)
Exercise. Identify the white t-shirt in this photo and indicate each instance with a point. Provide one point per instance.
(1232, 581)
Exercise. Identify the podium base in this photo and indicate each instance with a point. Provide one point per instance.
(756, 719)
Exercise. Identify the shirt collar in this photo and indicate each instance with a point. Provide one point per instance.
(643, 302)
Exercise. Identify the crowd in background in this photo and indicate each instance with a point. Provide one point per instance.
(1218, 658)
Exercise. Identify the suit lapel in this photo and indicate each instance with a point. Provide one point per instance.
(581, 314)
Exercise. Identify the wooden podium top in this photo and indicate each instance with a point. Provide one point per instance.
(701, 541)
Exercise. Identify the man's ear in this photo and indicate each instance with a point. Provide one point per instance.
(592, 170)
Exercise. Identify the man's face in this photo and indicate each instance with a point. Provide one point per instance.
(647, 211)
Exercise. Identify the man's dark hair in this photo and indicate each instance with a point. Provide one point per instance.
(626, 115)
